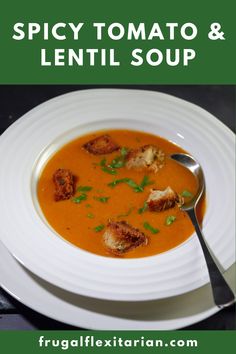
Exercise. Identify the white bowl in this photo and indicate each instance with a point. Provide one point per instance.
(28, 143)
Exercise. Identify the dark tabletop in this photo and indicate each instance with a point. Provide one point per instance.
(15, 100)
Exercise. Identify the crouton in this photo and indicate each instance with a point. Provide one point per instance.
(120, 237)
(146, 157)
(161, 200)
(64, 184)
(101, 145)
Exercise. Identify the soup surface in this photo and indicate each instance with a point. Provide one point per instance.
(82, 219)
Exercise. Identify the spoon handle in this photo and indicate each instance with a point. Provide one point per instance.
(223, 295)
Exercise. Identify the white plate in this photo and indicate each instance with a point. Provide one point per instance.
(53, 123)
(80, 311)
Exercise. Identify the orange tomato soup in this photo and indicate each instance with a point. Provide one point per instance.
(77, 222)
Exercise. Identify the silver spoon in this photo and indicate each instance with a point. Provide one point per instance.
(222, 294)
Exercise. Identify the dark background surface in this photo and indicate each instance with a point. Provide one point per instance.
(15, 100)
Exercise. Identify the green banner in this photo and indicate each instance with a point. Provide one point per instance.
(118, 342)
(118, 42)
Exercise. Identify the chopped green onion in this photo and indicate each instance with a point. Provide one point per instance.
(186, 194)
(170, 219)
(79, 199)
(90, 215)
(102, 199)
(143, 209)
(84, 189)
(148, 227)
(99, 228)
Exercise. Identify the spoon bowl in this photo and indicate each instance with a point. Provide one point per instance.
(191, 164)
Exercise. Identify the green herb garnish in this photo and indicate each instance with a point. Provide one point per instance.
(128, 181)
(143, 209)
(124, 151)
(170, 219)
(79, 199)
(111, 171)
(84, 189)
(88, 205)
(186, 194)
(99, 228)
(117, 181)
(102, 199)
(148, 227)
(145, 182)
(119, 161)
(106, 168)
(116, 163)
(126, 214)
(103, 162)
(136, 187)
(90, 215)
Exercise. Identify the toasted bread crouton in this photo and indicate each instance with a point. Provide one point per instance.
(145, 157)
(101, 145)
(64, 184)
(161, 200)
(120, 237)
